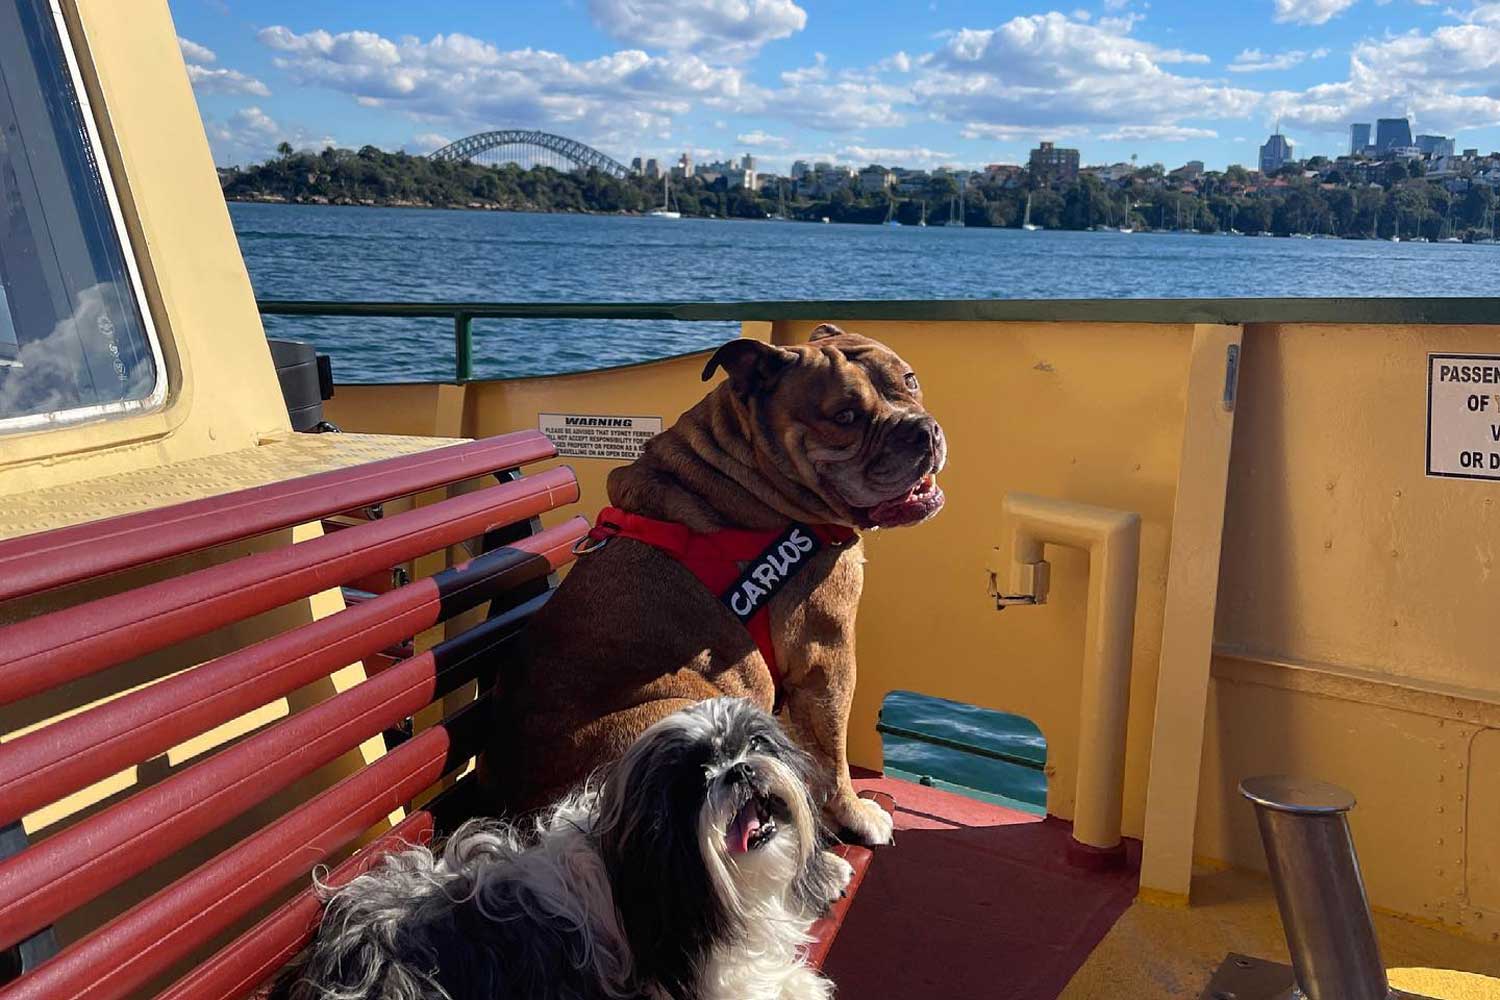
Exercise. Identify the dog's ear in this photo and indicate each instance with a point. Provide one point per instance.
(749, 364)
(824, 330)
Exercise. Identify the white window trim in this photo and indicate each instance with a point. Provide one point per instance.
(158, 395)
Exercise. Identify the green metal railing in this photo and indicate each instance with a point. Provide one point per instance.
(463, 314)
(975, 749)
(1373, 311)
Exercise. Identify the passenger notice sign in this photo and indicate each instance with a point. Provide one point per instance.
(595, 435)
(1463, 416)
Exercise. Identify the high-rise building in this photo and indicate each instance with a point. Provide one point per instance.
(1435, 145)
(1392, 132)
(800, 169)
(1053, 164)
(636, 167)
(653, 169)
(1359, 137)
(1275, 153)
(684, 165)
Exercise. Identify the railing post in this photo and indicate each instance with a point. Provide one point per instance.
(1304, 825)
(463, 346)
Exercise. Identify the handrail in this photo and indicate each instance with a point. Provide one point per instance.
(1350, 311)
(917, 736)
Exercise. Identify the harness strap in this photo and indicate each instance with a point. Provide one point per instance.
(744, 569)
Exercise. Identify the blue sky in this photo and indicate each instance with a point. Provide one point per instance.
(917, 84)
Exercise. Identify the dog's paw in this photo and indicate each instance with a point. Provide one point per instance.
(838, 873)
(831, 878)
(860, 821)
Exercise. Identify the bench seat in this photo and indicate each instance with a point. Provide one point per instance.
(99, 597)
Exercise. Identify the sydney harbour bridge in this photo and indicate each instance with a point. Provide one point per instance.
(530, 148)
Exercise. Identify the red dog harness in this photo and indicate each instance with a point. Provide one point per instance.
(744, 569)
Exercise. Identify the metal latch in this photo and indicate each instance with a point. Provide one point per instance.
(1029, 581)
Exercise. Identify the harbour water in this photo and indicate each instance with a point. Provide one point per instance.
(326, 252)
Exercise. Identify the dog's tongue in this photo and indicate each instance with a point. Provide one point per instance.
(743, 827)
(921, 502)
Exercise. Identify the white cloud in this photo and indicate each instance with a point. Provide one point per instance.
(807, 74)
(220, 80)
(615, 100)
(1443, 79)
(1158, 133)
(896, 156)
(716, 29)
(254, 121)
(193, 52)
(898, 62)
(207, 79)
(1309, 11)
(761, 140)
(845, 105)
(1016, 133)
(1046, 73)
(250, 135)
(426, 142)
(1256, 61)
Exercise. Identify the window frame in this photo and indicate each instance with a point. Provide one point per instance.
(158, 395)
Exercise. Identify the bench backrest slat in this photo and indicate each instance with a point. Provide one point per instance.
(45, 764)
(51, 649)
(29, 565)
(256, 955)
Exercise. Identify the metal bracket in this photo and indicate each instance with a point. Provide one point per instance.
(1033, 578)
(1240, 977)
(1231, 375)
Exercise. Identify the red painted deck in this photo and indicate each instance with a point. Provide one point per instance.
(974, 900)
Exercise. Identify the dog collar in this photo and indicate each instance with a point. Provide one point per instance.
(743, 569)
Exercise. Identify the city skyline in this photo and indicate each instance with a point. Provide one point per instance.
(951, 82)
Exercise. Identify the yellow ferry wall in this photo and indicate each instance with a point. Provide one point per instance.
(1357, 626)
(1358, 633)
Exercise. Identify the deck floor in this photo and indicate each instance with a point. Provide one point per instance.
(973, 900)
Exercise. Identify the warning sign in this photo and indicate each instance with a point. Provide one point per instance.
(1463, 416)
(590, 435)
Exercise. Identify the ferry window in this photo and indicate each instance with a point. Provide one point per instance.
(75, 340)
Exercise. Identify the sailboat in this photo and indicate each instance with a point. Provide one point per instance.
(923, 220)
(890, 213)
(955, 211)
(1448, 235)
(780, 215)
(665, 212)
(1026, 222)
(1488, 227)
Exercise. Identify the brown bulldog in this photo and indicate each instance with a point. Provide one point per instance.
(828, 433)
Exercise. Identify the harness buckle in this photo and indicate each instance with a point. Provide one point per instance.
(598, 536)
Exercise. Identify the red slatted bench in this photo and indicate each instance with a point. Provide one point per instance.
(107, 847)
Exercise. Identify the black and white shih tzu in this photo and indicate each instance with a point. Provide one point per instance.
(691, 870)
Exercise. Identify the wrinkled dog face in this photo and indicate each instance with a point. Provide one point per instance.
(844, 417)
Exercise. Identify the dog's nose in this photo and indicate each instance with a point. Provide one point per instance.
(742, 773)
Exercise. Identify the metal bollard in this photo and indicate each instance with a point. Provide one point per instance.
(1304, 826)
